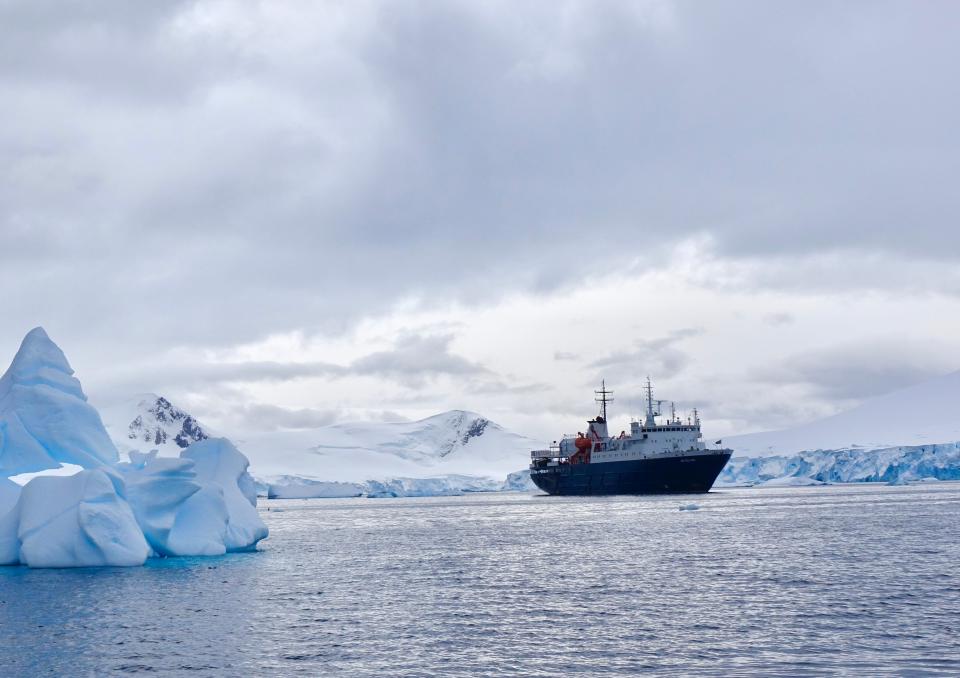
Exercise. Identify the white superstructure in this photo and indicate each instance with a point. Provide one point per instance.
(669, 437)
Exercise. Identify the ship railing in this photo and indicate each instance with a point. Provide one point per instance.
(547, 454)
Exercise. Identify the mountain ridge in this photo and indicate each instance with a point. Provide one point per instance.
(454, 442)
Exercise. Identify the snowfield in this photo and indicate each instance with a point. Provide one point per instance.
(451, 443)
(901, 437)
(449, 453)
(923, 414)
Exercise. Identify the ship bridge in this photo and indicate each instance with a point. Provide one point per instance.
(656, 436)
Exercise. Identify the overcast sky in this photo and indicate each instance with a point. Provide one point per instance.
(284, 214)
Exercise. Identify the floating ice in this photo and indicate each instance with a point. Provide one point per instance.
(108, 513)
(157, 489)
(519, 481)
(44, 415)
(9, 494)
(219, 464)
(689, 507)
(9, 522)
(71, 521)
(443, 486)
(295, 487)
(200, 528)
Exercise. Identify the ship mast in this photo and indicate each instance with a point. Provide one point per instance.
(603, 399)
(650, 421)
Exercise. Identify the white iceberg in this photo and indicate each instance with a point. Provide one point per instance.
(157, 490)
(519, 481)
(107, 513)
(444, 486)
(202, 504)
(219, 464)
(791, 481)
(200, 527)
(72, 521)
(9, 494)
(296, 487)
(45, 419)
(9, 522)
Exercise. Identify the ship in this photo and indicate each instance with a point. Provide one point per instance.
(660, 455)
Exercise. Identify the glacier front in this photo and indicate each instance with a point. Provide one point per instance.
(889, 465)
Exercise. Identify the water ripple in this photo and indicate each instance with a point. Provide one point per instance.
(797, 581)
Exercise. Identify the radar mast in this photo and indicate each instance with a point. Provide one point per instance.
(650, 421)
(603, 399)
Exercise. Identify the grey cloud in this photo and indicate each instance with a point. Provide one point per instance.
(387, 416)
(416, 358)
(564, 355)
(266, 417)
(778, 319)
(660, 358)
(412, 361)
(164, 376)
(499, 387)
(847, 372)
(258, 168)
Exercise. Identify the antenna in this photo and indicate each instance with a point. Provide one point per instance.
(650, 421)
(603, 399)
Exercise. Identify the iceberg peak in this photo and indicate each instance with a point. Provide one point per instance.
(40, 361)
(45, 419)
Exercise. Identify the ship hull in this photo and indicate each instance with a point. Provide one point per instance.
(673, 475)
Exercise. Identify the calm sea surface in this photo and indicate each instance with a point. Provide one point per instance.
(862, 580)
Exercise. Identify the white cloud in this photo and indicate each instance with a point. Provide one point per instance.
(541, 185)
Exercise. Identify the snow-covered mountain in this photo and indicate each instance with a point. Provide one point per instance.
(150, 421)
(923, 414)
(448, 453)
(451, 443)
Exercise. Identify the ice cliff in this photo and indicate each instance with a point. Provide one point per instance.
(110, 513)
(890, 465)
(295, 487)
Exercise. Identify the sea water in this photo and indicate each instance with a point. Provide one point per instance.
(862, 579)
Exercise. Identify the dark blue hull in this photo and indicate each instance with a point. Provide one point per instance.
(675, 475)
